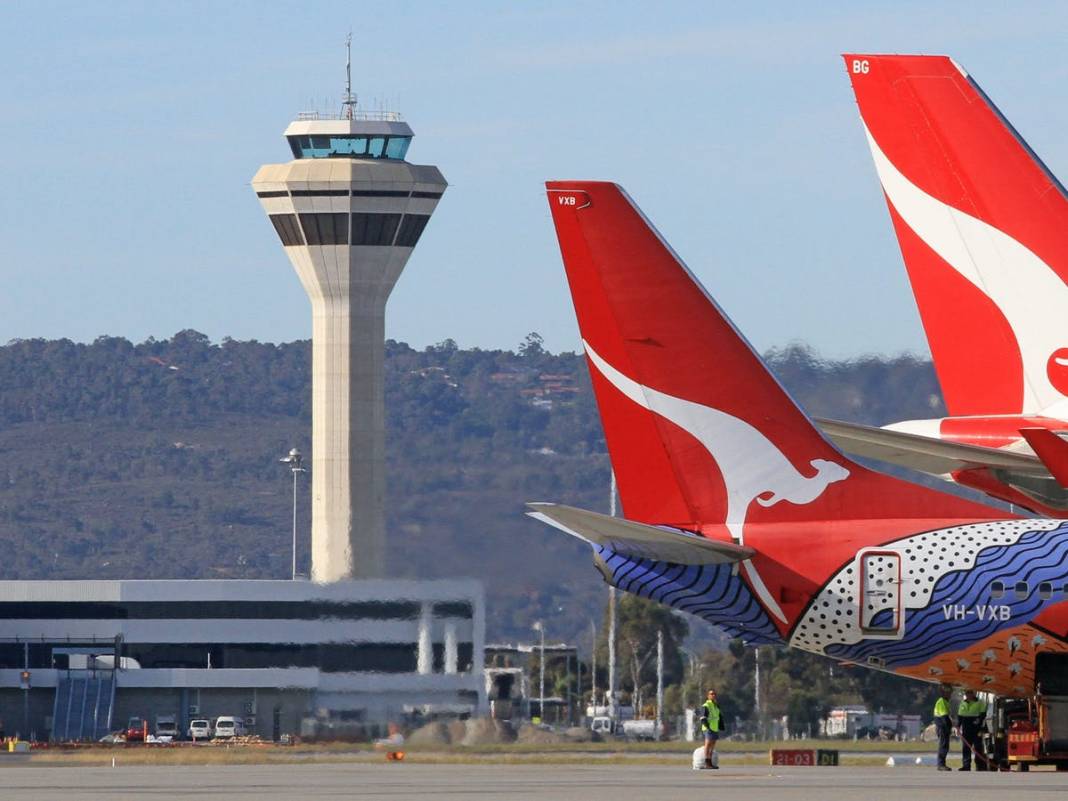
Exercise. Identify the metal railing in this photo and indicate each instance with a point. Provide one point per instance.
(362, 116)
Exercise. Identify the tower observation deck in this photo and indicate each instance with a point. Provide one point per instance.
(348, 209)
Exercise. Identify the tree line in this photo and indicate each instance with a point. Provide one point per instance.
(159, 460)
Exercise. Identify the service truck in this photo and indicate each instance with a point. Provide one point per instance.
(167, 726)
(1033, 730)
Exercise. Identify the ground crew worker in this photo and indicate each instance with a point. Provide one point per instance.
(710, 718)
(943, 723)
(972, 716)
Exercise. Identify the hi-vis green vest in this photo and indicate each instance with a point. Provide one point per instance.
(713, 716)
(941, 709)
(971, 709)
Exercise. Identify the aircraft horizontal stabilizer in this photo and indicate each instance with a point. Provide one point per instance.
(1052, 449)
(638, 540)
(925, 454)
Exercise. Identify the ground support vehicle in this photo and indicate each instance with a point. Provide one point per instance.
(136, 730)
(1034, 730)
(167, 727)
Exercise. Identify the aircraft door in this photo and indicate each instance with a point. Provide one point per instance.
(880, 593)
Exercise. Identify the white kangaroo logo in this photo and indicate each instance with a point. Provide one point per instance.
(753, 468)
(1029, 293)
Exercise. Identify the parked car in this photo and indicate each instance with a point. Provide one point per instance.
(229, 726)
(201, 729)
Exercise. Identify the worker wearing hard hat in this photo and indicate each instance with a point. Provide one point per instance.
(972, 716)
(943, 721)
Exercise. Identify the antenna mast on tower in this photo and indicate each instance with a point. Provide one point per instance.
(350, 99)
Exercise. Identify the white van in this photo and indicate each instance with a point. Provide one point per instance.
(229, 726)
(166, 727)
(200, 729)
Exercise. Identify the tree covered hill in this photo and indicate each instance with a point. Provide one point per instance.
(160, 460)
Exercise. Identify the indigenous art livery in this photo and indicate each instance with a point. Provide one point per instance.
(983, 229)
(740, 511)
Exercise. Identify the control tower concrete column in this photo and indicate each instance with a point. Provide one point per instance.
(349, 210)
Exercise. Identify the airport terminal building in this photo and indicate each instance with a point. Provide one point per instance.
(79, 658)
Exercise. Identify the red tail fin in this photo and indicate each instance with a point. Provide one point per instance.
(983, 229)
(700, 434)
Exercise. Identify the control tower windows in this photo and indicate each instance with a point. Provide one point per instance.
(411, 229)
(397, 147)
(326, 229)
(287, 228)
(356, 147)
(374, 229)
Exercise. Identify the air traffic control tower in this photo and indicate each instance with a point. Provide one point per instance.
(349, 209)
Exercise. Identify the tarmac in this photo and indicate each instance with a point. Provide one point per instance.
(404, 781)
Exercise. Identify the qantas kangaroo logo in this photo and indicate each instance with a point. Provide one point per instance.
(753, 468)
(1057, 370)
(1028, 292)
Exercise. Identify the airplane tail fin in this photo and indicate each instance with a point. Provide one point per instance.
(701, 436)
(983, 229)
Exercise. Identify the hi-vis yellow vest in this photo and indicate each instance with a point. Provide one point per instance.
(941, 708)
(713, 716)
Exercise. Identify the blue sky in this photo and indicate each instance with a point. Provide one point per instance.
(131, 132)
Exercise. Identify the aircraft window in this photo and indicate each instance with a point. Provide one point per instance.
(1021, 589)
(378, 144)
(997, 590)
(1045, 590)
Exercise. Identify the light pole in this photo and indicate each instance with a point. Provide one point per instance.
(659, 682)
(294, 460)
(692, 659)
(593, 666)
(612, 619)
(540, 627)
(756, 692)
